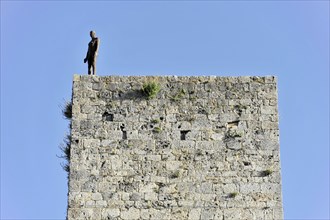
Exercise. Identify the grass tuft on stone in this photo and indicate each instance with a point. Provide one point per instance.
(65, 148)
(150, 89)
(179, 95)
(233, 194)
(67, 110)
(157, 130)
(175, 174)
(155, 121)
(266, 172)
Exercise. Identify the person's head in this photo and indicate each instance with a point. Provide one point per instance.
(92, 34)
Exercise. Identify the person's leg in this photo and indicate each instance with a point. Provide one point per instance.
(94, 67)
(89, 68)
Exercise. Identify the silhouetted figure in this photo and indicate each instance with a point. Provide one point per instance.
(93, 48)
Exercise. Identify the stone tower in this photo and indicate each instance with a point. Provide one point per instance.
(203, 148)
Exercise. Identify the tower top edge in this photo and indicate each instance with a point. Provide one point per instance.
(78, 77)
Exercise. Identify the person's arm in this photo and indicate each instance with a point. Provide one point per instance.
(87, 55)
(97, 46)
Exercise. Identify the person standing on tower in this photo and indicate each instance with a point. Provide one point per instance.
(93, 49)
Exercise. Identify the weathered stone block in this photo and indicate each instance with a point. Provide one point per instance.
(194, 214)
(131, 213)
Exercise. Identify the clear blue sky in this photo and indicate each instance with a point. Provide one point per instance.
(43, 44)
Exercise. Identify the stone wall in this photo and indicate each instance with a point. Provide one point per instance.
(203, 148)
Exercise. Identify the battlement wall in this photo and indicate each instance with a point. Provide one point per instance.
(204, 148)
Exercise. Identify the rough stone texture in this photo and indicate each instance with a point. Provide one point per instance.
(204, 148)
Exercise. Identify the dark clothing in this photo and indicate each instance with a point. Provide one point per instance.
(92, 49)
(91, 55)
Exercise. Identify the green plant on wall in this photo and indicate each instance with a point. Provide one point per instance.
(179, 95)
(150, 89)
(157, 130)
(65, 147)
(267, 172)
(234, 133)
(175, 174)
(67, 110)
(155, 121)
(66, 152)
(233, 194)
